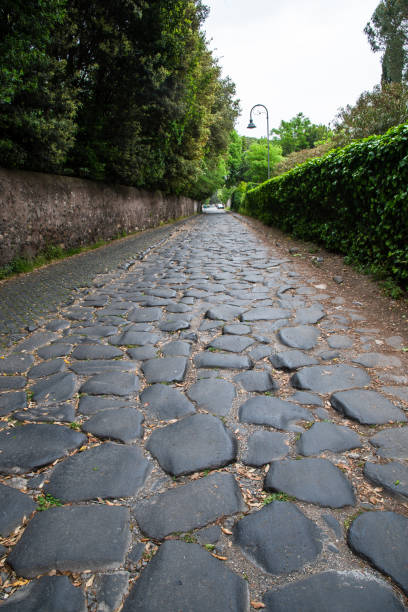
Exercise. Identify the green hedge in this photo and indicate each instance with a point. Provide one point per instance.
(353, 200)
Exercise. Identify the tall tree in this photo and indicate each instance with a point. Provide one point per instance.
(298, 133)
(387, 31)
(257, 160)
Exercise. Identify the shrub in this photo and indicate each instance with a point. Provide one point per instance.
(353, 201)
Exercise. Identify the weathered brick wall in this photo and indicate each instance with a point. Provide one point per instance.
(37, 210)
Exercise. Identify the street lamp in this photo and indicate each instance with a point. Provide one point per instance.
(251, 126)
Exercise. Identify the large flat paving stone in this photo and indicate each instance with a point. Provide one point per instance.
(401, 393)
(111, 383)
(330, 378)
(339, 341)
(309, 316)
(92, 404)
(292, 360)
(233, 344)
(142, 353)
(73, 539)
(135, 338)
(185, 577)
(392, 476)
(16, 364)
(327, 437)
(278, 538)
(31, 446)
(273, 412)
(57, 349)
(301, 337)
(61, 412)
(173, 325)
(334, 592)
(96, 351)
(213, 395)
(316, 481)
(177, 347)
(189, 506)
(377, 360)
(9, 383)
(265, 314)
(382, 538)
(106, 471)
(12, 401)
(122, 424)
(48, 594)
(366, 406)
(236, 329)
(197, 442)
(392, 443)
(15, 507)
(145, 315)
(258, 382)
(36, 340)
(110, 590)
(56, 388)
(224, 312)
(266, 446)
(47, 368)
(165, 369)
(164, 402)
(99, 366)
(206, 359)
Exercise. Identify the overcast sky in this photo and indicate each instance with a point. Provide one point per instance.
(293, 55)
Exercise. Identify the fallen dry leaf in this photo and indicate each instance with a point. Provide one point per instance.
(257, 605)
(220, 557)
(226, 531)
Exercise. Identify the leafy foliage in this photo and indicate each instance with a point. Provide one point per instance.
(299, 157)
(353, 200)
(299, 133)
(256, 160)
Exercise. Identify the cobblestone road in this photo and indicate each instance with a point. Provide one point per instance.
(205, 430)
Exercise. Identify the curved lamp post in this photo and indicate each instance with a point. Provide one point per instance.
(251, 125)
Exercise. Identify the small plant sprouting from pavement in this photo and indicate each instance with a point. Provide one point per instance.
(47, 501)
(348, 521)
(189, 538)
(209, 547)
(75, 426)
(278, 497)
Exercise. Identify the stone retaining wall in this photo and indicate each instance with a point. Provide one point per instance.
(37, 210)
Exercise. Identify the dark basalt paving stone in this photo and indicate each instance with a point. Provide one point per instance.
(98, 331)
(273, 412)
(37, 340)
(162, 293)
(32, 446)
(136, 338)
(195, 443)
(366, 407)
(207, 359)
(236, 329)
(145, 315)
(392, 476)
(59, 349)
(8, 383)
(291, 360)
(260, 352)
(307, 399)
(183, 576)
(89, 405)
(338, 341)
(174, 325)
(99, 366)
(92, 538)
(301, 337)
(178, 308)
(382, 538)
(189, 506)
(400, 393)
(213, 395)
(207, 325)
(142, 353)
(163, 402)
(123, 424)
(165, 369)
(327, 437)
(266, 446)
(16, 364)
(111, 383)
(278, 538)
(392, 443)
(308, 316)
(47, 368)
(265, 314)
(377, 360)
(224, 312)
(334, 592)
(47, 594)
(12, 401)
(79, 314)
(330, 378)
(57, 325)
(58, 412)
(316, 481)
(155, 301)
(209, 535)
(177, 347)
(15, 507)
(110, 590)
(256, 381)
(106, 471)
(328, 355)
(56, 388)
(333, 524)
(96, 351)
(233, 344)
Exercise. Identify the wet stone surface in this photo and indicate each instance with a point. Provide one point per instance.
(196, 426)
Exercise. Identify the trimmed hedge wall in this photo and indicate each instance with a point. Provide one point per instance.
(353, 200)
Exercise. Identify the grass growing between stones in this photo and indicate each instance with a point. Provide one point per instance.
(278, 497)
(47, 501)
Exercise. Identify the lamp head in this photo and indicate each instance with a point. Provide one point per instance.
(251, 124)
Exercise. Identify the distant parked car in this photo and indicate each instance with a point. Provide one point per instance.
(220, 205)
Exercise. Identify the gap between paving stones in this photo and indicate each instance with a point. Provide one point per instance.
(157, 340)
